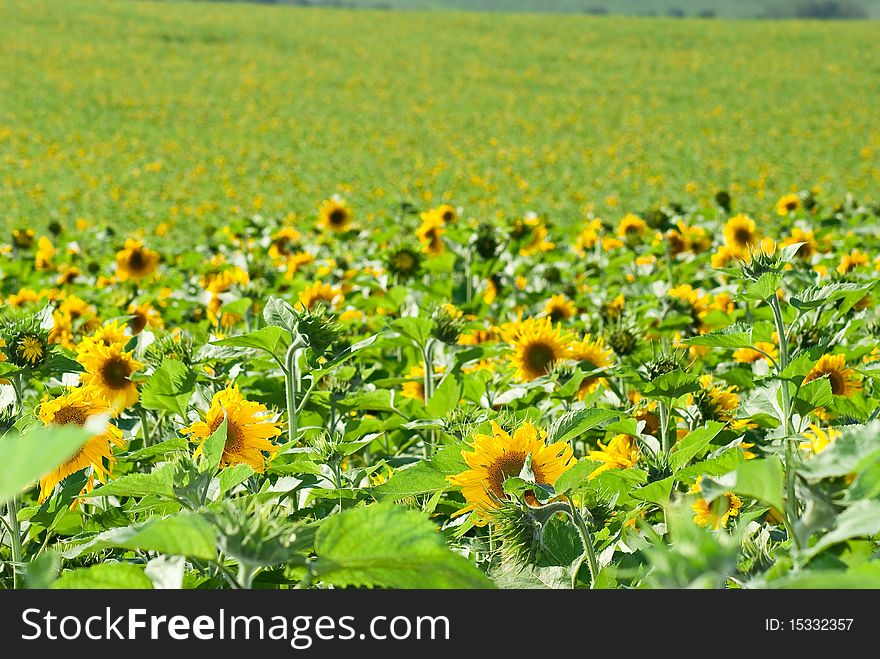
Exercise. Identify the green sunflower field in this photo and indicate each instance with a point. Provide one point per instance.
(329, 298)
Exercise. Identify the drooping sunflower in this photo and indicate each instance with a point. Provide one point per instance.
(740, 235)
(559, 307)
(594, 352)
(134, 261)
(844, 381)
(717, 513)
(536, 344)
(430, 233)
(321, 293)
(621, 452)
(335, 215)
(787, 204)
(144, 315)
(249, 429)
(75, 408)
(108, 369)
(495, 458)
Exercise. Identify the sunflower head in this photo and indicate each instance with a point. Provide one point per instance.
(593, 352)
(536, 346)
(108, 370)
(559, 307)
(320, 293)
(335, 215)
(134, 261)
(632, 229)
(759, 260)
(716, 513)
(740, 233)
(449, 323)
(623, 338)
(817, 440)
(284, 243)
(249, 429)
(485, 240)
(787, 204)
(844, 380)
(23, 238)
(143, 315)
(404, 261)
(495, 458)
(715, 402)
(27, 342)
(430, 233)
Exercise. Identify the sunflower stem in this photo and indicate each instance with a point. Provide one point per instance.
(428, 386)
(15, 532)
(145, 428)
(589, 554)
(292, 385)
(791, 507)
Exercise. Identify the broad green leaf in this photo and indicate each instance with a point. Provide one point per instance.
(671, 385)
(124, 576)
(158, 482)
(657, 492)
(279, 313)
(761, 480)
(184, 534)
(272, 339)
(424, 477)
(27, 458)
(445, 398)
(346, 354)
(856, 445)
(387, 545)
(417, 330)
(576, 422)
(169, 388)
(735, 336)
(233, 476)
(765, 287)
(575, 477)
(212, 448)
(694, 445)
(861, 520)
(816, 296)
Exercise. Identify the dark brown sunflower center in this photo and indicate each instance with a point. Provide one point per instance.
(742, 236)
(509, 464)
(791, 205)
(837, 382)
(115, 373)
(448, 216)
(337, 217)
(70, 416)
(234, 438)
(138, 322)
(136, 260)
(538, 357)
(558, 313)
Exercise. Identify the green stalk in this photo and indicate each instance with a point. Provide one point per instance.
(145, 428)
(791, 507)
(428, 385)
(15, 530)
(292, 386)
(589, 554)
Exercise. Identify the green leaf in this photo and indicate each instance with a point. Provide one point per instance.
(272, 339)
(417, 330)
(735, 336)
(657, 492)
(159, 482)
(184, 534)
(761, 480)
(445, 398)
(860, 520)
(856, 445)
(278, 313)
(386, 545)
(27, 458)
(694, 445)
(212, 449)
(169, 388)
(765, 287)
(576, 422)
(345, 355)
(671, 385)
(575, 477)
(815, 296)
(234, 476)
(118, 576)
(425, 477)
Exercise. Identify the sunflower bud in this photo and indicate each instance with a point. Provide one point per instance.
(27, 341)
(760, 261)
(319, 328)
(724, 200)
(172, 346)
(520, 530)
(448, 324)
(623, 340)
(404, 261)
(486, 241)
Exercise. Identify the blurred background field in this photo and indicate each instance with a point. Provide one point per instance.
(140, 112)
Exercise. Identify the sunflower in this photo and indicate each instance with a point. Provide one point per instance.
(320, 293)
(849, 262)
(76, 408)
(817, 439)
(249, 428)
(559, 307)
(691, 301)
(335, 215)
(808, 238)
(430, 233)
(787, 204)
(536, 344)
(715, 402)
(477, 336)
(447, 213)
(843, 380)
(594, 352)
(740, 235)
(23, 297)
(491, 292)
(109, 370)
(717, 513)
(632, 228)
(415, 388)
(142, 316)
(620, 453)
(495, 458)
(613, 309)
(283, 243)
(23, 238)
(135, 261)
(750, 355)
(534, 232)
(295, 262)
(31, 349)
(404, 261)
(588, 237)
(45, 253)
(683, 239)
